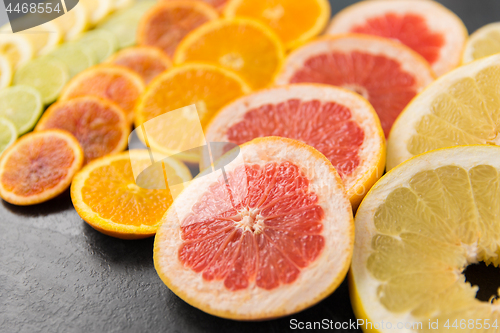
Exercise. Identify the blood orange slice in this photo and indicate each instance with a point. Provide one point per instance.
(427, 27)
(39, 167)
(386, 73)
(100, 126)
(269, 235)
(217, 4)
(340, 124)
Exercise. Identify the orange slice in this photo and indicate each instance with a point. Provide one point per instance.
(100, 126)
(427, 27)
(115, 83)
(295, 22)
(340, 124)
(39, 167)
(146, 61)
(386, 73)
(168, 22)
(106, 196)
(245, 46)
(268, 236)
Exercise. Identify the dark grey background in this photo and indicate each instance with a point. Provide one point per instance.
(59, 275)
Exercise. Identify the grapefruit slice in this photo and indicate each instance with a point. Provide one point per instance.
(268, 235)
(417, 230)
(340, 124)
(39, 167)
(146, 61)
(115, 83)
(168, 22)
(482, 43)
(217, 4)
(427, 27)
(386, 73)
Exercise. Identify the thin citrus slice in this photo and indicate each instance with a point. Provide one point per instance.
(22, 105)
(106, 196)
(482, 43)
(386, 73)
(74, 22)
(16, 48)
(427, 27)
(245, 46)
(5, 72)
(101, 42)
(116, 83)
(39, 167)
(146, 61)
(217, 4)
(98, 10)
(120, 4)
(295, 22)
(340, 124)
(75, 57)
(208, 87)
(460, 108)
(44, 37)
(417, 230)
(100, 126)
(8, 134)
(168, 22)
(47, 74)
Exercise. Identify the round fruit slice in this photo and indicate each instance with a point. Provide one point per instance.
(120, 4)
(39, 167)
(427, 27)
(106, 196)
(217, 4)
(295, 22)
(5, 72)
(245, 46)
(16, 48)
(98, 10)
(386, 73)
(102, 43)
(146, 61)
(482, 43)
(206, 86)
(75, 57)
(115, 83)
(460, 108)
(22, 105)
(100, 126)
(168, 22)
(269, 235)
(73, 22)
(8, 134)
(417, 230)
(340, 124)
(44, 37)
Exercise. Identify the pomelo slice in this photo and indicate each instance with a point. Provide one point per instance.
(100, 126)
(8, 134)
(39, 167)
(269, 235)
(482, 43)
(417, 230)
(386, 73)
(427, 27)
(340, 124)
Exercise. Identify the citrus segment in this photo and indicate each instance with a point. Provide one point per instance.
(427, 27)
(5, 72)
(73, 23)
(268, 236)
(245, 46)
(8, 134)
(17, 49)
(482, 43)
(22, 105)
(100, 42)
(38, 167)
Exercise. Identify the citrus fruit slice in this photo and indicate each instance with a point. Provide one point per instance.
(340, 124)
(217, 4)
(39, 167)
(295, 22)
(99, 125)
(427, 27)
(106, 196)
(245, 46)
(168, 22)
(74, 22)
(16, 48)
(116, 83)
(102, 43)
(459, 108)
(5, 72)
(268, 235)
(146, 61)
(386, 73)
(97, 10)
(417, 230)
(208, 87)
(8, 134)
(120, 4)
(44, 37)
(75, 57)
(46, 74)
(482, 43)
(22, 105)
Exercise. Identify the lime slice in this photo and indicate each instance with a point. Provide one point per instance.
(22, 105)
(8, 134)
(75, 57)
(102, 42)
(47, 74)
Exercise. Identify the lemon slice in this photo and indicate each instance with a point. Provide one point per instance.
(101, 42)
(8, 134)
(17, 48)
(482, 43)
(98, 10)
(5, 72)
(73, 23)
(120, 4)
(76, 58)
(22, 105)
(44, 38)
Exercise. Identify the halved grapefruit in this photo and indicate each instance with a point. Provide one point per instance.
(268, 235)
(427, 27)
(340, 124)
(386, 73)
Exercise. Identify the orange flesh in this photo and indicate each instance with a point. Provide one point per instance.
(147, 66)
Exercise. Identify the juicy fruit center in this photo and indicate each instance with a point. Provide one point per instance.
(251, 220)
(357, 89)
